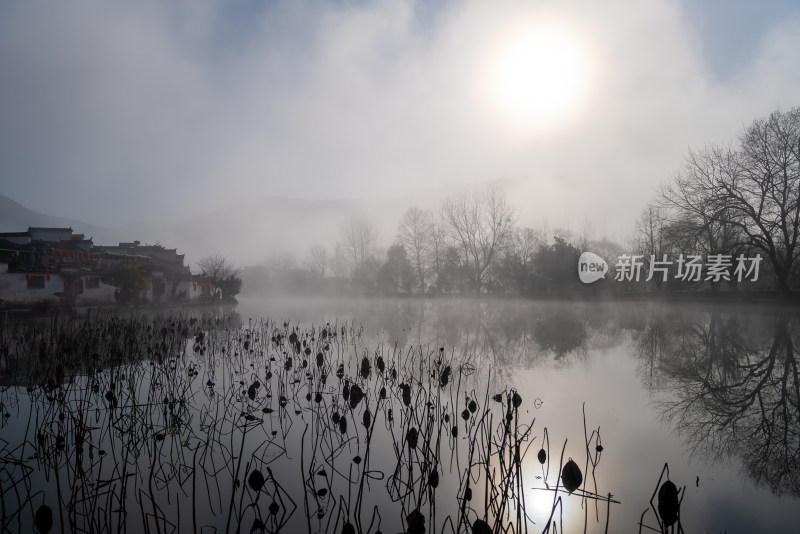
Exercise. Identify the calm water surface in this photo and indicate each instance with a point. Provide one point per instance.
(712, 392)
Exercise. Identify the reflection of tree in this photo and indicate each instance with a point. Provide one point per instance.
(667, 344)
(739, 397)
(652, 342)
(506, 335)
(562, 334)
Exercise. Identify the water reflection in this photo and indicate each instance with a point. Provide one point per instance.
(268, 425)
(735, 391)
(504, 333)
(726, 379)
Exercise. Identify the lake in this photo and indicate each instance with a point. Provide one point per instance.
(218, 422)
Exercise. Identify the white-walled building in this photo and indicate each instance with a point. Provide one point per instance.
(55, 266)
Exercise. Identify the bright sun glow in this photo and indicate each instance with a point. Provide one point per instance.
(538, 75)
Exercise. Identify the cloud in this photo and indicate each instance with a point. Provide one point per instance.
(135, 109)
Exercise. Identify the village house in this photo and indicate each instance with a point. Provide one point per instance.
(57, 266)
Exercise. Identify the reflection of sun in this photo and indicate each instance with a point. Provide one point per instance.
(538, 75)
(539, 501)
(538, 505)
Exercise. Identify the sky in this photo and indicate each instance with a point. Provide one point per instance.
(116, 111)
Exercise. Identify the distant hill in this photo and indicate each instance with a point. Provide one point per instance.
(14, 217)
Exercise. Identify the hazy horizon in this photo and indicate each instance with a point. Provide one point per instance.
(209, 232)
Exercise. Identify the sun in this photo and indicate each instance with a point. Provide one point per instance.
(538, 75)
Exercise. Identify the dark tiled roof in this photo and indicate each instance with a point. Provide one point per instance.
(3, 235)
(10, 245)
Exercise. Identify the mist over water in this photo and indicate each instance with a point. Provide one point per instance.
(386, 406)
(709, 389)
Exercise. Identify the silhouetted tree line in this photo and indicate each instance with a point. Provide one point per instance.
(736, 199)
(472, 245)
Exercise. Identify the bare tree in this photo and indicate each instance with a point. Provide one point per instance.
(360, 241)
(748, 196)
(650, 230)
(216, 268)
(650, 237)
(414, 233)
(282, 262)
(696, 224)
(479, 223)
(586, 236)
(517, 266)
(437, 253)
(222, 273)
(339, 262)
(764, 195)
(318, 260)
